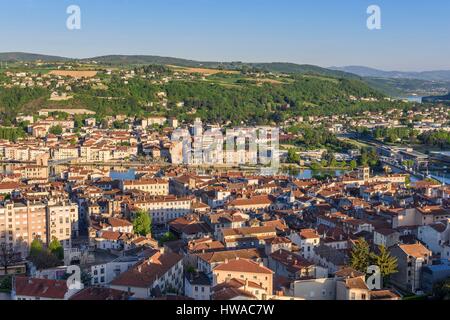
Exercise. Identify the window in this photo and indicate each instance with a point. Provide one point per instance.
(353, 296)
(363, 296)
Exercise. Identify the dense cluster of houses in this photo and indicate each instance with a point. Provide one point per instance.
(223, 235)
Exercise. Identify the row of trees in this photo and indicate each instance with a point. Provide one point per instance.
(312, 138)
(392, 135)
(11, 134)
(438, 138)
(43, 257)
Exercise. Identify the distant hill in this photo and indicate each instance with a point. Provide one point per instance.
(114, 60)
(401, 87)
(27, 57)
(389, 82)
(283, 67)
(436, 99)
(144, 59)
(438, 75)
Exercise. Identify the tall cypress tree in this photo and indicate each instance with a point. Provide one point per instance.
(386, 263)
(360, 256)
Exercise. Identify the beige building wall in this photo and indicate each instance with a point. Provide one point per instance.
(264, 280)
(21, 223)
(62, 222)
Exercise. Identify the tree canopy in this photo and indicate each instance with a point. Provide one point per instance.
(142, 223)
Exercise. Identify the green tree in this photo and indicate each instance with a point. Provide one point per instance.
(353, 164)
(44, 260)
(441, 290)
(167, 237)
(6, 284)
(36, 247)
(360, 256)
(142, 223)
(386, 263)
(41, 257)
(56, 130)
(293, 157)
(56, 248)
(333, 163)
(408, 180)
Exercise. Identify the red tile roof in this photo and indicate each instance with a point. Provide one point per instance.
(97, 294)
(143, 275)
(42, 288)
(243, 265)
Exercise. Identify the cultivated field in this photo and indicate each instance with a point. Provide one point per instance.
(204, 71)
(73, 73)
(69, 111)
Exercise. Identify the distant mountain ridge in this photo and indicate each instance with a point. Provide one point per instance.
(28, 57)
(280, 67)
(437, 75)
(393, 83)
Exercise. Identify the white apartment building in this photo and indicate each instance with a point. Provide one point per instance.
(63, 153)
(62, 217)
(436, 237)
(155, 187)
(163, 209)
(306, 240)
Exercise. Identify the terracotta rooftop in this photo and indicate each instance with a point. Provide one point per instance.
(356, 283)
(416, 250)
(308, 234)
(384, 295)
(43, 288)
(221, 256)
(232, 293)
(243, 265)
(348, 273)
(115, 223)
(98, 293)
(144, 274)
(257, 200)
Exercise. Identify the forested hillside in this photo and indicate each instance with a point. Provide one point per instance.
(246, 102)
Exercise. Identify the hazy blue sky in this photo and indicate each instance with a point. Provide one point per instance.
(415, 34)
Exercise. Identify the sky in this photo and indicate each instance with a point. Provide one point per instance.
(414, 34)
